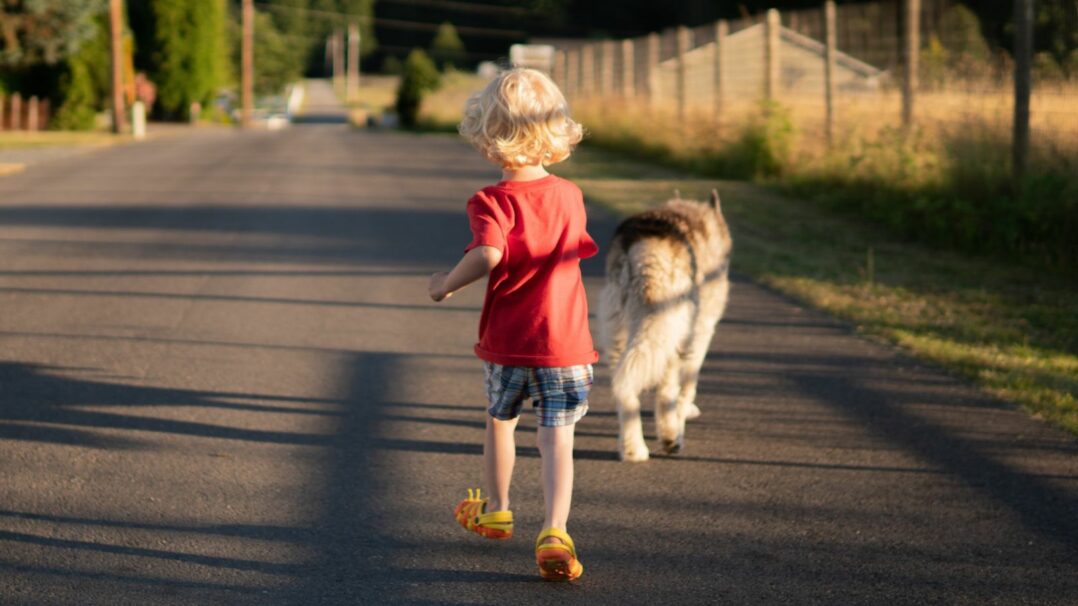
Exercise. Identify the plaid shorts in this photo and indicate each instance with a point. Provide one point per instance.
(559, 395)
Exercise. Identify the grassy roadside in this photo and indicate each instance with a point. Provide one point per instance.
(1011, 329)
(29, 140)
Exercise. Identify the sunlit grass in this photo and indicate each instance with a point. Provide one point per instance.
(375, 95)
(27, 139)
(442, 109)
(1012, 331)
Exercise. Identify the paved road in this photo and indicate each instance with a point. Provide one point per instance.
(221, 382)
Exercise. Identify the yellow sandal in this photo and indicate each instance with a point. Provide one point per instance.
(557, 561)
(470, 513)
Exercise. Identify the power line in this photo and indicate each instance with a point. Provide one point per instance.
(467, 7)
(469, 54)
(398, 23)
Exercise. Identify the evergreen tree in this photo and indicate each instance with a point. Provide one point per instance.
(189, 52)
(447, 49)
(420, 77)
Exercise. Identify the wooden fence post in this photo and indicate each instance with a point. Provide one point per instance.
(31, 113)
(587, 70)
(557, 73)
(682, 79)
(1023, 51)
(829, 70)
(572, 73)
(910, 51)
(654, 86)
(16, 111)
(722, 29)
(628, 69)
(45, 113)
(771, 54)
(1, 113)
(606, 72)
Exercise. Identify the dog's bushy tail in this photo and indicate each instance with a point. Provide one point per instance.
(650, 289)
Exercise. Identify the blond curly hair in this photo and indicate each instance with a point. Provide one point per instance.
(520, 119)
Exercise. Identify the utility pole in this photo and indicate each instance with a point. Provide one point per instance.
(247, 64)
(116, 37)
(338, 61)
(353, 62)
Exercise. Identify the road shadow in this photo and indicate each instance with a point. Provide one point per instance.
(38, 404)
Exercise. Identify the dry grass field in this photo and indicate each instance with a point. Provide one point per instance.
(1009, 327)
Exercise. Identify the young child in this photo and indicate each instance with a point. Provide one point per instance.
(528, 234)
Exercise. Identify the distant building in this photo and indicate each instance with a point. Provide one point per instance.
(535, 56)
(801, 65)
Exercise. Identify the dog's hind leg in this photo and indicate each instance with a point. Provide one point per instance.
(669, 420)
(631, 444)
(690, 371)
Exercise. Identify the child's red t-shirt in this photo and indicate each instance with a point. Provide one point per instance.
(535, 312)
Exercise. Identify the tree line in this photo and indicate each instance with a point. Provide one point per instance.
(176, 53)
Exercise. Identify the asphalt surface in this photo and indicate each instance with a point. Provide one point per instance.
(221, 382)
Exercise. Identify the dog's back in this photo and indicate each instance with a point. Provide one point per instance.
(666, 288)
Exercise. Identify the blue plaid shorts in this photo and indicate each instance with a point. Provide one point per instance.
(559, 395)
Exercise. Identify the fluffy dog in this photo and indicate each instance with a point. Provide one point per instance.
(666, 288)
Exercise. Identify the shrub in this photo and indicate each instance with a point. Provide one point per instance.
(447, 49)
(189, 52)
(80, 100)
(420, 77)
(392, 65)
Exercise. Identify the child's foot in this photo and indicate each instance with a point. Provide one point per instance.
(471, 514)
(556, 556)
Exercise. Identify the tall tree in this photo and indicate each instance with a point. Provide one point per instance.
(447, 49)
(189, 57)
(45, 31)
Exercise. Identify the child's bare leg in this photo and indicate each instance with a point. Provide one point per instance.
(499, 456)
(556, 448)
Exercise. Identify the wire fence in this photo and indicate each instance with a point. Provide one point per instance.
(843, 73)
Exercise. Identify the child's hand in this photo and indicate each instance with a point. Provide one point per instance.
(436, 288)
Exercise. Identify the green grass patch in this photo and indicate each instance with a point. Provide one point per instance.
(1010, 329)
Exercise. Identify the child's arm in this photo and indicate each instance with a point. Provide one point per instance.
(475, 264)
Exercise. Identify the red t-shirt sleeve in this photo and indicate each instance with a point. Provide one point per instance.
(485, 221)
(588, 247)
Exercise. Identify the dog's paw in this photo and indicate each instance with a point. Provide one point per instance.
(636, 453)
(692, 411)
(674, 446)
